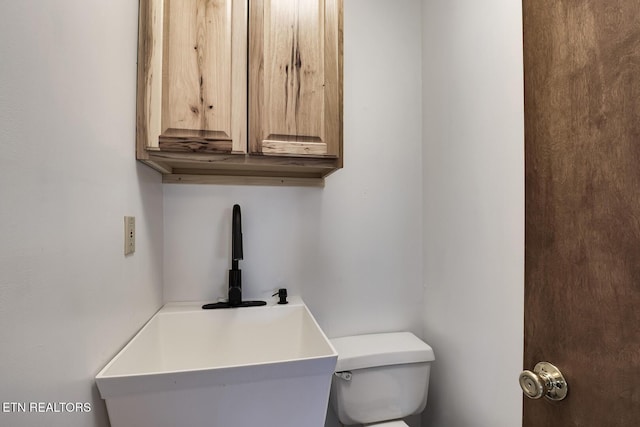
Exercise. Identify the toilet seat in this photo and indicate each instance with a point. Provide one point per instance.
(395, 423)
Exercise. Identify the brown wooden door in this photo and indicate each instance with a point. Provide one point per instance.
(582, 161)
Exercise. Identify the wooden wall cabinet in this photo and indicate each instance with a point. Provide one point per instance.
(237, 91)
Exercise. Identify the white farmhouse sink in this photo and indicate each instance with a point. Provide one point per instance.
(262, 366)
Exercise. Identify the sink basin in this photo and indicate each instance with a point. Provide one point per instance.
(269, 365)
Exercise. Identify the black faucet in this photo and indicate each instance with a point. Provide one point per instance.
(235, 274)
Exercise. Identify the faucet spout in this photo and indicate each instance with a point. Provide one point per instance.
(235, 274)
(236, 233)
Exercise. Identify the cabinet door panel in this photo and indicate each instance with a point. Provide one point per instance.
(295, 105)
(202, 105)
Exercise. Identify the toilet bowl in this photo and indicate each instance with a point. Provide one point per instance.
(380, 378)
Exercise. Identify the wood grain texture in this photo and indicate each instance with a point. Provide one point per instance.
(195, 145)
(333, 66)
(293, 171)
(186, 160)
(243, 180)
(203, 70)
(295, 76)
(192, 87)
(149, 79)
(582, 163)
(294, 148)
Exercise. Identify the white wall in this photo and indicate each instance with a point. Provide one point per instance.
(69, 299)
(353, 249)
(473, 210)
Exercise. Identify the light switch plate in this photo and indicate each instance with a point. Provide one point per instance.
(129, 235)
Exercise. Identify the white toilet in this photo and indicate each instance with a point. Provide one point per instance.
(380, 378)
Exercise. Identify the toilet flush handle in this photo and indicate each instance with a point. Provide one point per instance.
(345, 375)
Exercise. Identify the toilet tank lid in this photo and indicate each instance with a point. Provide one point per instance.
(366, 351)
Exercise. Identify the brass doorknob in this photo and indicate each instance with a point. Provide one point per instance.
(545, 380)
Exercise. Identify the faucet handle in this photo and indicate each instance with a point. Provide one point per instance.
(282, 294)
(235, 296)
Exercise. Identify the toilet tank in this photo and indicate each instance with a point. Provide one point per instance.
(380, 377)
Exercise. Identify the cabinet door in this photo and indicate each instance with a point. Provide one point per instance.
(295, 77)
(192, 76)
